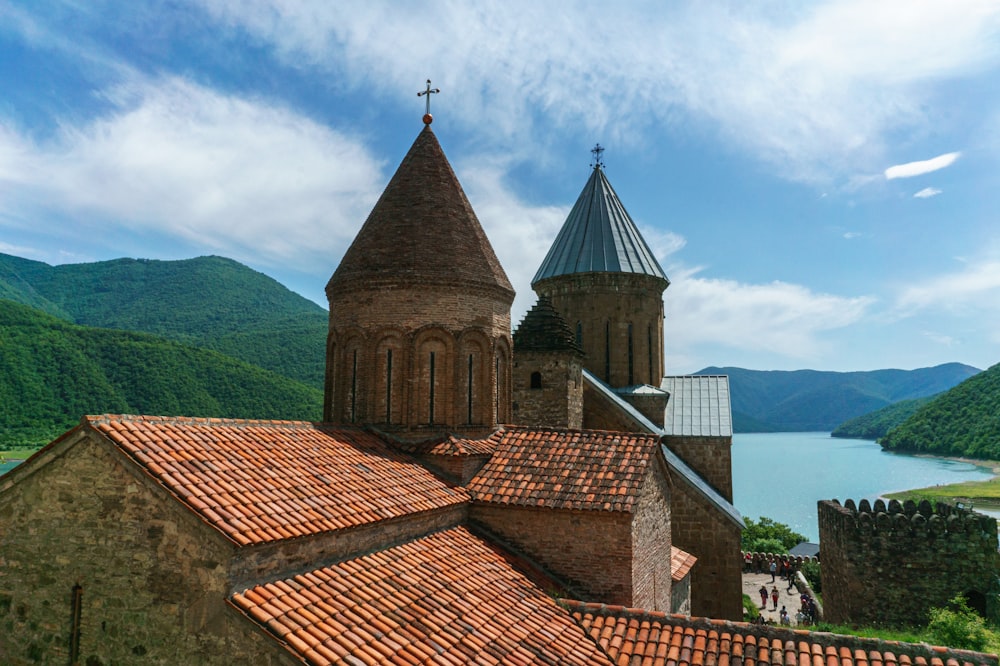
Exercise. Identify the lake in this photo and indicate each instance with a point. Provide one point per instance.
(783, 475)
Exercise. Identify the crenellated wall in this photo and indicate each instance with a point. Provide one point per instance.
(890, 563)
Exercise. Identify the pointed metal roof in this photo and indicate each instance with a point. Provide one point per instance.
(599, 237)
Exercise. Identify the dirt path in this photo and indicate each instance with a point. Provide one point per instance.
(790, 600)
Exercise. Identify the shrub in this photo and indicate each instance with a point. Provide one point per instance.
(811, 571)
(958, 626)
(750, 610)
(766, 529)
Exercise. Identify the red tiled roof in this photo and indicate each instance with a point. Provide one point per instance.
(448, 598)
(680, 563)
(449, 445)
(260, 481)
(633, 637)
(565, 469)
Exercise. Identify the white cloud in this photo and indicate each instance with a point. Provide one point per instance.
(224, 173)
(851, 235)
(812, 90)
(927, 193)
(783, 319)
(976, 285)
(911, 169)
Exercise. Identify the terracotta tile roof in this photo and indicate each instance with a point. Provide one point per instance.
(680, 563)
(565, 469)
(260, 481)
(633, 637)
(448, 598)
(448, 445)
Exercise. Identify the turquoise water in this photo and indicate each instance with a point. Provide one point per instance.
(783, 475)
(7, 466)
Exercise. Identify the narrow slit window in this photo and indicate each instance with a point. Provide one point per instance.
(430, 402)
(76, 610)
(469, 393)
(607, 352)
(388, 386)
(354, 387)
(536, 380)
(631, 358)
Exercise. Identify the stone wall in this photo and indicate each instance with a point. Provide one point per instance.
(889, 564)
(557, 400)
(702, 530)
(378, 367)
(651, 540)
(589, 550)
(151, 576)
(606, 308)
(711, 457)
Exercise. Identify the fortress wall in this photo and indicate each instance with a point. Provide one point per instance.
(890, 563)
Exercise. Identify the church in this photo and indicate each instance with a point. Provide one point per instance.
(473, 495)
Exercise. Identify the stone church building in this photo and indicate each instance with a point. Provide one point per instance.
(472, 496)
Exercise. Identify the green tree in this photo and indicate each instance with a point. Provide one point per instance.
(769, 536)
(958, 626)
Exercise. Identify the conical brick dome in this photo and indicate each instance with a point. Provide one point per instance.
(422, 231)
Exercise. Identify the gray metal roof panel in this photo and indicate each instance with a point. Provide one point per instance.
(598, 237)
(699, 406)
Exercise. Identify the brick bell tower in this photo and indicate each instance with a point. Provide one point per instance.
(605, 282)
(419, 340)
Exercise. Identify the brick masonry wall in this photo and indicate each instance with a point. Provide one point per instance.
(599, 413)
(651, 562)
(595, 300)
(590, 550)
(711, 457)
(153, 576)
(453, 320)
(559, 401)
(274, 561)
(716, 579)
(889, 564)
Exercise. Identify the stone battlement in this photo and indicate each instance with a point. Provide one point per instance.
(890, 563)
(909, 519)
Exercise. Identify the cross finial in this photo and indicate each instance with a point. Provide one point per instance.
(428, 118)
(596, 152)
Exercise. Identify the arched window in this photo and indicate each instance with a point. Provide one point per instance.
(536, 380)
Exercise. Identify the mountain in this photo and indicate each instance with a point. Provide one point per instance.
(209, 302)
(814, 400)
(52, 372)
(874, 425)
(964, 421)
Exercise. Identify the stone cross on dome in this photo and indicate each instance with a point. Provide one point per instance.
(596, 152)
(428, 118)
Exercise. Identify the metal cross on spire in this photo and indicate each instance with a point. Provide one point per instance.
(596, 152)
(428, 118)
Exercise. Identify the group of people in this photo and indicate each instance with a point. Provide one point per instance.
(786, 569)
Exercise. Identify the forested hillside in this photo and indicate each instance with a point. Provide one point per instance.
(876, 424)
(813, 400)
(964, 421)
(53, 372)
(207, 302)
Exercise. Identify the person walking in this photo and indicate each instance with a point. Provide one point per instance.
(774, 597)
(774, 569)
(763, 596)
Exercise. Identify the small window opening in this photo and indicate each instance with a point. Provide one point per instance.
(536, 380)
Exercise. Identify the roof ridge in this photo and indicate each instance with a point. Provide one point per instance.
(773, 632)
(101, 419)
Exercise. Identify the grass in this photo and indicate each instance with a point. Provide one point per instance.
(985, 492)
(903, 634)
(18, 454)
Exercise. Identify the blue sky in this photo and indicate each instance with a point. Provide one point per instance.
(820, 181)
